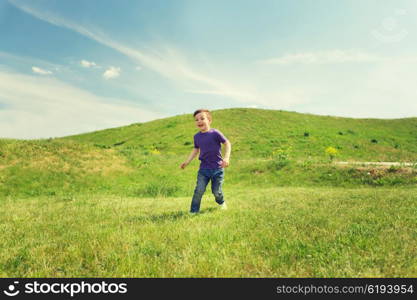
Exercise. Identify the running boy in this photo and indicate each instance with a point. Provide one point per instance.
(208, 142)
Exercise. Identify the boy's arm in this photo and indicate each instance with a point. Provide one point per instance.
(192, 155)
(227, 151)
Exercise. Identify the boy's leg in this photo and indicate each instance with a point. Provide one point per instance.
(216, 185)
(202, 181)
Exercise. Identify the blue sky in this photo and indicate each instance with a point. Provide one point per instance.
(68, 67)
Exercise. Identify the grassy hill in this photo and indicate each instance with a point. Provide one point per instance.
(270, 148)
(257, 133)
(113, 203)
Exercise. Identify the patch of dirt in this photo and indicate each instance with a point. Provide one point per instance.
(378, 169)
(377, 163)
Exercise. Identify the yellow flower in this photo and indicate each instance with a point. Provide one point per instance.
(332, 152)
(155, 151)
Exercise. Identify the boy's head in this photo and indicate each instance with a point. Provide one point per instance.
(202, 119)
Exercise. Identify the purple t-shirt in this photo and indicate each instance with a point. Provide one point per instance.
(210, 148)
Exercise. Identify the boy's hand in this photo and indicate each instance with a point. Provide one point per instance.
(183, 165)
(225, 163)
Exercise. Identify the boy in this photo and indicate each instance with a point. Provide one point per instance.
(208, 143)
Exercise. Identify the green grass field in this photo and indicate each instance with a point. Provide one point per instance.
(275, 232)
(114, 203)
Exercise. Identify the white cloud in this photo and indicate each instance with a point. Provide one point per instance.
(40, 71)
(138, 68)
(168, 62)
(40, 107)
(111, 73)
(87, 64)
(390, 92)
(325, 57)
(385, 90)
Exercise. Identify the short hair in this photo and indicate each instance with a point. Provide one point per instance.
(206, 111)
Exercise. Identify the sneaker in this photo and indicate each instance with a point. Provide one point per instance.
(223, 206)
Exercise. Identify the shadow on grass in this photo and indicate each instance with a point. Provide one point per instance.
(169, 216)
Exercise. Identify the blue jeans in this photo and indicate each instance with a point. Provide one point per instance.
(204, 176)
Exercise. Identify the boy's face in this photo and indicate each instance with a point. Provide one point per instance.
(202, 122)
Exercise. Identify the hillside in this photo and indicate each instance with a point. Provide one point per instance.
(270, 148)
(257, 133)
